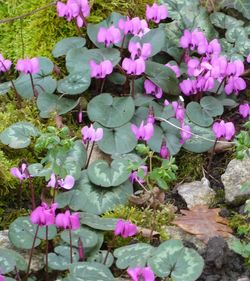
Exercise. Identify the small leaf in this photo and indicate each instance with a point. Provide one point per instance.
(198, 115)
(211, 106)
(97, 222)
(19, 135)
(224, 21)
(100, 257)
(242, 6)
(63, 46)
(9, 260)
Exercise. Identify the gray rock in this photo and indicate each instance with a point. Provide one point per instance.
(97, 154)
(244, 279)
(196, 193)
(236, 174)
(37, 262)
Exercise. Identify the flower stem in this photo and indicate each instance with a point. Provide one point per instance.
(70, 244)
(221, 83)
(47, 250)
(33, 201)
(90, 153)
(211, 157)
(110, 246)
(133, 86)
(102, 85)
(31, 253)
(33, 85)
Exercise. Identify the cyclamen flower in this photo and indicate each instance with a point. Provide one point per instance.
(28, 66)
(179, 111)
(144, 132)
(134, 67)
(188, 87)
(2, 278)
(66, 183)
(152, 89)
(214, 48)
(248, 58)
(100, 70)
(156, 12)
(134, 175)
(90, 134)
(151, 116)
(185, 133)
(140, 51)
(194, 40)
(4, 64)
(235, 68)
(244, 110)
(141, 274)
(222, 129)
(175, 69)
(125, 229)
(235, 84)
(134, 26)
(164, 151)
(68, 221)
(20, 172)
(44, 215)
(109, 36)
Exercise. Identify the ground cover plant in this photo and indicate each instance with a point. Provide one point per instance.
(141, 92)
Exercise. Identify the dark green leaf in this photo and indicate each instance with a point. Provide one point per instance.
(63, 46)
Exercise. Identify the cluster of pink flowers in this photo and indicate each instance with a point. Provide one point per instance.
(90, 134)
(204, 71)
(224, 130)
(74, 9)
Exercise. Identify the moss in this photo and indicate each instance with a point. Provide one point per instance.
(240, 224)
(42, 30)
(142, 217)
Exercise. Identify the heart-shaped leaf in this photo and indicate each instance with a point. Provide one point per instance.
(242, 6)
(97, 222)
(19, 135)
(111, 112)
(93, 199)
(63, 46)
(211, 106)
(5, 87)
(100, 257)
(102, 174)
(9, 260)
(50, 104)
(224, 21)
(198, 115)
(117, 140)
(75, 83)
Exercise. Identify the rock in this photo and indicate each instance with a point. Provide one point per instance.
(97, 154)
(236, 174)
(243, 279)
(37, 262)
(196, 193)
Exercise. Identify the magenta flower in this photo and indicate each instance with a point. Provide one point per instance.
(235, 68)
(125, 229)
(156, 12)
(100, 70)
(2, 278)
(164, 151)
(80, 116)
(152, 89)
(235, 84)
(188, 87)
(20, 172)
(214, 48)
(248, 58)
(186, 133)
(139, 51)
(134, 175)
(44, 215)
(179, 111)
(195, 40)
(166, 103)
(28, 66)
(134, 67)
(151, 116)
(68, 221)
(244, 110)
(144, 132)
(175, 69)
(90, 134)
(66, 183)
(134, 26)
(222, 129)
(141, 274)
(109, 36)
(4, 64)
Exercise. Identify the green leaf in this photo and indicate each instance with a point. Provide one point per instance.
(93, 199)
(211, 106)
(89, 271)
(75, 83)
(5, 87)
(117, 140)
(172, 258)
(64, 45)
(100, 257)
(37, 170)
(117, 78)
(163, 77)
(9, 260)
(52, 232)
(224, 21)
(242, 6)
(88, 237)
(111, 112)
(102, 174)
(50, 104)
(21, 233)
(198, 115)
(133, 255)
(19, 135)
(97, 222)
(43, 81)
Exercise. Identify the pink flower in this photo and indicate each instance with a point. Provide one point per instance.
(134, 26)
(90, 134)
(179, 111)
(134, 67)
(166, 103)
(152, 89)
(20, 172)
(141, 274)
(214, 48)
(28, 66)
(235, 84)
(4, 64)
(109, 36)
(248, 58)
(222, 129)
(175, 69)
(235, 68)
(188, 87)
(195, 40)
(2, 278)
(156, 12)
(244, 110)
(185, 133)
(134, 175)
(66, 183)
(164, 151)
(125, 229)
(44, 215)
(100, 70)
(139, 51)
(151, 116)
(68, 221)
(144, 132)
